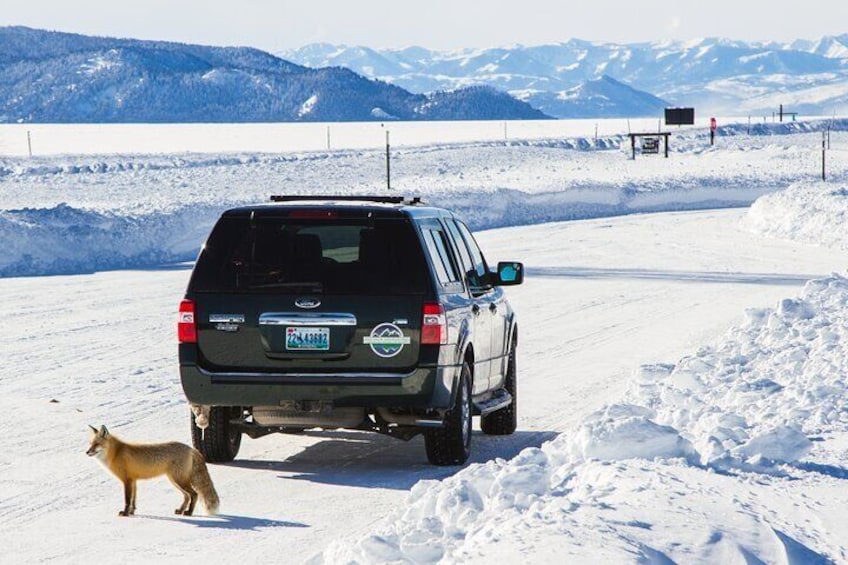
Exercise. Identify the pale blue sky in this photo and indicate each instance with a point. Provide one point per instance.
(275, 25)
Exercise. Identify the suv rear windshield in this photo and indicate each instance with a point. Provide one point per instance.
(284, 255)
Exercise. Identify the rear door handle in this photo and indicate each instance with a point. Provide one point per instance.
(493, 307)
(475, 309)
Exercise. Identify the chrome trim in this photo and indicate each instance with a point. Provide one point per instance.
(303, 319)
(226, 318)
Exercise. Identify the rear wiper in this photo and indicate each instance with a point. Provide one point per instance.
(311, 287)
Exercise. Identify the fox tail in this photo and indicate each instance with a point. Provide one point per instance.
(203, 483)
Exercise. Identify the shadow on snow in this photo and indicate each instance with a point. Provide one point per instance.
(227, 522)
(678, 276)
(370, 460)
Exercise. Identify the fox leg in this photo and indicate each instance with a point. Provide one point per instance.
(129, 490)
(132, 502)
(189, 496)
(191, 500)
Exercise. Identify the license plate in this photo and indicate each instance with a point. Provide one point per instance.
(307, 339)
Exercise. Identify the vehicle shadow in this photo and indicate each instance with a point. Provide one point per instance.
(680, 276)
(370, 460)
(829, 470)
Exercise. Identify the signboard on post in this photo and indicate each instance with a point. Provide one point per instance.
(713, 127)
(680, 116)
(650, 145)
(650, 142)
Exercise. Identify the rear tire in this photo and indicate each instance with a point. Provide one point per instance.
(451, 445)
(503, 422)
(220, 442)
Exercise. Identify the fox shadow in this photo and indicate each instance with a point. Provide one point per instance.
(227, 522)
(369, 460)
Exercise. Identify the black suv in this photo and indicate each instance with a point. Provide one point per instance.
(368, 313)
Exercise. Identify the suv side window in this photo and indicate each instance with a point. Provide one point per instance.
(438, 248)
(463, 256)
(478, 278)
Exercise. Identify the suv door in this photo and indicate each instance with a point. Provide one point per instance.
(485, 298)
(447, 269)
(495, 301)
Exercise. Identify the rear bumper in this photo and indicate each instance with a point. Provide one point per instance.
(425, 387)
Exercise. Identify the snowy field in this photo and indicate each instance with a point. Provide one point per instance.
(93, 139)
(78, 213)
(682, 383)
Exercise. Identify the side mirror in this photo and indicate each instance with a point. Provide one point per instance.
(510, 273)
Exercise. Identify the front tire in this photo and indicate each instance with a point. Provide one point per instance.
(503, 422)
(220, 442)
(451, 445)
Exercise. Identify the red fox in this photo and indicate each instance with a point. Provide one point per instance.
(184, 466)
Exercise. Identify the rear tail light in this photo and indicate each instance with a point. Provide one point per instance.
(434, 325)
(186, 323)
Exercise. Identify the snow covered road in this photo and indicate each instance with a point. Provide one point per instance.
(601, 298)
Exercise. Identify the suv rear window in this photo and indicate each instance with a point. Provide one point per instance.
(284, 255)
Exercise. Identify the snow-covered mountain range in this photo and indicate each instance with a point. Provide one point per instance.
(61, 77)
(717, 75)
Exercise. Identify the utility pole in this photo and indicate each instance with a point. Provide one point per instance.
(824, 150)
(388, 164)
(328, 138)
(29, 143)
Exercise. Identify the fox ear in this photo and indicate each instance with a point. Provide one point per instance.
(103, 431)
(93, 429)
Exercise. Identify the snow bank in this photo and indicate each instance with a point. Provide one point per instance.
(626, 431)
(66, 240)
(814, 213)
(63, 239)
(506, 207)
(782, 128)
(746, 404)
(770, 384)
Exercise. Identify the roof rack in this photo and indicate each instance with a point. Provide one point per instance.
(407, 200)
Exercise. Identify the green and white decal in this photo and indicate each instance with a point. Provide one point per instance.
(386, 340)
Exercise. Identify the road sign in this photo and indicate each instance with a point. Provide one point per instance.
(713, 124)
